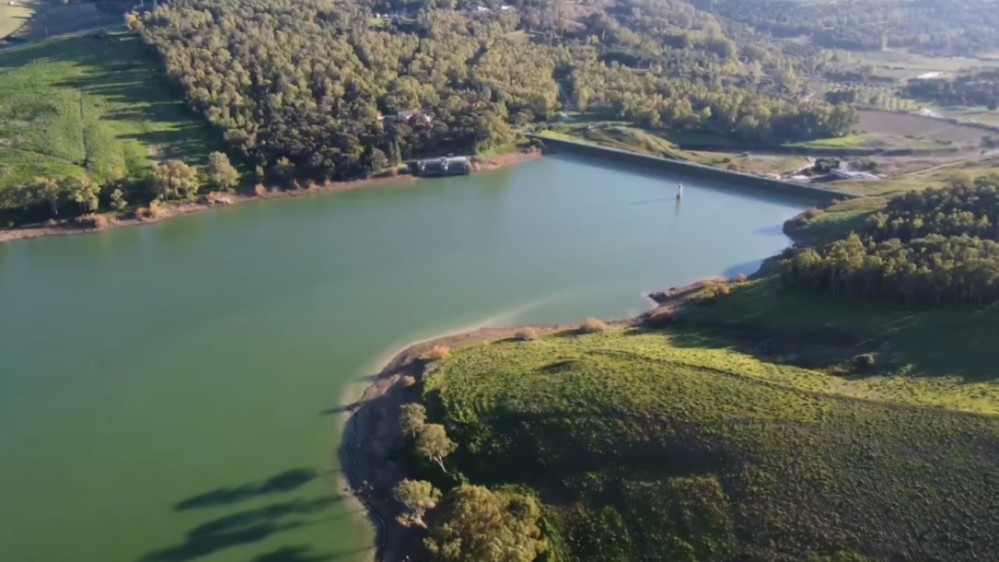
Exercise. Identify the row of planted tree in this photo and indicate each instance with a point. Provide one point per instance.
(933, 246)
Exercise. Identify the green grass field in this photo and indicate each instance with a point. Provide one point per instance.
(868, 141)
(94, 104)
(681, 446)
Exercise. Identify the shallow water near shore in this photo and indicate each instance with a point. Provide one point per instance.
(173, 392)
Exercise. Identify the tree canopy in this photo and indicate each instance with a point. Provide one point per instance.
(934, 246)
(474, 524)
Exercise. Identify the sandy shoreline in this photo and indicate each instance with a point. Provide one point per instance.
(224, 200)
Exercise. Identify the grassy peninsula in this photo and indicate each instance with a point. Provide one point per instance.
(843, 407)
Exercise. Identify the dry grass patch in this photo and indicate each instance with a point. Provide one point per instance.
(593, 326)
(437, 353)
(526, 334)
(96, 222)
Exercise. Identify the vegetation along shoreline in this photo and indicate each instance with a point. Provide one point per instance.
(214, 200)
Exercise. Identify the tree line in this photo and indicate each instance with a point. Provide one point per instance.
(70, 197)
(964, 208)
(935, 246)
(979, 88)
(329, 92)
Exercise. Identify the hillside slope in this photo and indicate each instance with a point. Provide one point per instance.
(646, 446)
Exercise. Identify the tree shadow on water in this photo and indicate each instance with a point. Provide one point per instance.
(286, 481)
(301, 553)
(242, 528)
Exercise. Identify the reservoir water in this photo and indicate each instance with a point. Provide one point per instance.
(172, 392)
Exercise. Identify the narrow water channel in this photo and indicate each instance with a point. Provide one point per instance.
(172, 392)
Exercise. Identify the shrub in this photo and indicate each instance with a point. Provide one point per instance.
(260, 190)
(215, 199)
(156, 209)
(712, 293)
(864, 361)
(526, 334)
(741, 278)
(593, 326)
(96, 222)
(437, 353)
(407, 381)
(812, 212)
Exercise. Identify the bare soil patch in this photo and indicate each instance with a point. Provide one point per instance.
(906, 125)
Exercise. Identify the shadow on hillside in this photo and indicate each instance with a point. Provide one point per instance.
(286, 481)
(811, 350)
(819, 332)
(246, 527)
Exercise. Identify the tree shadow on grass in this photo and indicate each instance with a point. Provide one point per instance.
(286, 481)
(811, 350)
(243, 527)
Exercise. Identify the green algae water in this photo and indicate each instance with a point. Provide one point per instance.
(174, 392)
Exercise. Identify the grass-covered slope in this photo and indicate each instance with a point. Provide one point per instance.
(646, 446)
(95, 104)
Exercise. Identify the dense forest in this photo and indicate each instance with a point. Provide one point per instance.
(319, 90)
(965, 208)
(935, 26)
(935, 246)
(326, 88)
(980, 88)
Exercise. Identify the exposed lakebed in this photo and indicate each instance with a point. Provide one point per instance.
(172, 392)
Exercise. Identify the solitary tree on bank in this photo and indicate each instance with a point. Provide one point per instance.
(434, 444)
(174, 179)
(417, 498)
(412, 418)
(221, 172)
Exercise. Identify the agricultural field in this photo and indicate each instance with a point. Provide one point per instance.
(35, 20)
(903, 64)
(872, 141)
(93, 104)
(915, 126)
(691, 445)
